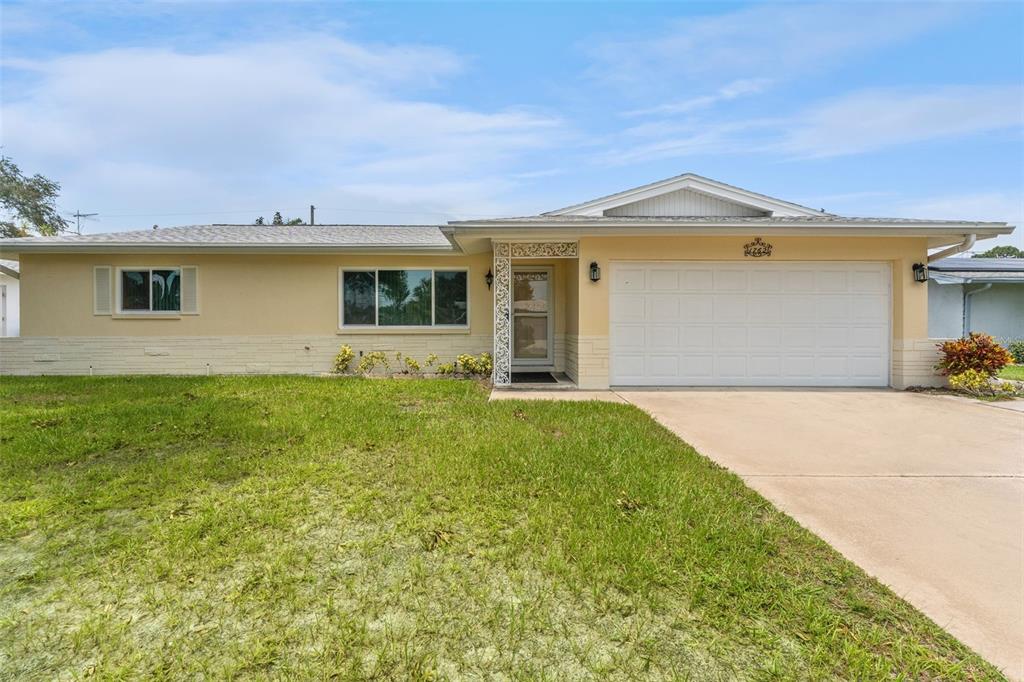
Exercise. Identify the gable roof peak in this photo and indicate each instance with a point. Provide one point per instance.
(748, 200)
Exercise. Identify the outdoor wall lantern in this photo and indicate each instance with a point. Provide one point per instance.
(595, 271)
(489, 278)
(920, 272)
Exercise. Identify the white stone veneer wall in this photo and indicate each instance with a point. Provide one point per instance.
(216, 354)
(592, 361)
(571, 356)
(913, 363)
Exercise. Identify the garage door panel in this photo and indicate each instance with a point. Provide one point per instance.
(764, 338)
(695, 338)
(770, 324)
(631, 337)
(730, 308)
(831, 338)
(832, 366)
(867, 337)
(765, 308)
(764, 366)
(627, 279)
(765, 281)
(698, 279)
(799, 338)
(731, 366)
(798, 281)
(664, 337)
(730, 338)
(867, 366)
(874, 281)
(662, 365)
(832, 308)
(798, 308)
(831, 281)
(730, 280)
(663, 308)
(664, 280)
(697, 309)
(798, 366)
(628, 308)
(698, 366)
(629, 364)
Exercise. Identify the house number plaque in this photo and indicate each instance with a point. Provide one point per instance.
(757, 248)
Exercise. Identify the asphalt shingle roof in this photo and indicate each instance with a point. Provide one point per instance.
(821, 219)
(398, 236)
(978, 265)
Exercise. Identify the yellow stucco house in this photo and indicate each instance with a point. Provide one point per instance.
(683, 282)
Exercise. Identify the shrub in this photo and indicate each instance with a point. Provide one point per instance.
(446, 368)
(972, 381)
(431, 359)
(371, 360)
(1016, 349)
(342, 360)
(472, 364)
(978, 352)
(411, 364)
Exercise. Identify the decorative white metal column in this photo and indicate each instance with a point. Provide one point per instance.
(504, 252)
(502, 314)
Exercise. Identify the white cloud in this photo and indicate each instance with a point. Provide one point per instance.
(778, 41)
(995, 206)
(860, 122)
(730, 91)
(274, 123)
(870, 120)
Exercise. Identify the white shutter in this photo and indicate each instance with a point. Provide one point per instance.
(189, 290)
(101, 290)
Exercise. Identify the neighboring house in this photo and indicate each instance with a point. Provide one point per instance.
(976, 295)
(681, 282)
(9, 279)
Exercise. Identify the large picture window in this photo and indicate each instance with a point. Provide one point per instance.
(405, 298)
(144, 290)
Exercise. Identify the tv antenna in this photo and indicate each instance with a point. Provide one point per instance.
(78, 215)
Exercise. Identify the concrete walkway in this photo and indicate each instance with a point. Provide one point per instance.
(923, 492)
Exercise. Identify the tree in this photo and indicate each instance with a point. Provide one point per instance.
(278, 220)
(30, 203)
(1002, 252)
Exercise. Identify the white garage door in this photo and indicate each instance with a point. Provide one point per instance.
(749, 324)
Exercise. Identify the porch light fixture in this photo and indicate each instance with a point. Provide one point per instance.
(489, 278)
(920, 272)
(595, 271)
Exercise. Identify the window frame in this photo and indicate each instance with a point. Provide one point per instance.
(119, 303)
(377, 326)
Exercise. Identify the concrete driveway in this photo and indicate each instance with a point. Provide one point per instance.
(924, 492)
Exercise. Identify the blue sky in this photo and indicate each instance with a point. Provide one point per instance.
(178, 112)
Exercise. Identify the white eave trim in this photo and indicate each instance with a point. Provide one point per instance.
(829, 228)
(270, 249)
(736, 195)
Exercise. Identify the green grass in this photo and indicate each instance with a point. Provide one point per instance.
(1012, 372)
(298, 527)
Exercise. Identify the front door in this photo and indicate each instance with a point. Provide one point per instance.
(532, 322)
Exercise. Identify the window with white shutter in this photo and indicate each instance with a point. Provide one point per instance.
(189, 290)
(101, 290)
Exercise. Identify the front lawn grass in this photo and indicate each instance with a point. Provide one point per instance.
(302, 527)
(1015, 372)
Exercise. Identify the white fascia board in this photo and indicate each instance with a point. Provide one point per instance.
(268, 249)
(775, 207)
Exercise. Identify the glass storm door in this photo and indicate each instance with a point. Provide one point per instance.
(532, 328)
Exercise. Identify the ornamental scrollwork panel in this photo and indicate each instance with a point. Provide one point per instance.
(544, 249)
(502, 320)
